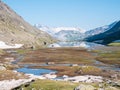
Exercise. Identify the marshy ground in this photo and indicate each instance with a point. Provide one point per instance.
(58, 56)
(73, 61)
(67, 61)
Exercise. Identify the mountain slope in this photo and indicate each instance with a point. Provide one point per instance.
(99, 30)
(107, 37)
(13, 29)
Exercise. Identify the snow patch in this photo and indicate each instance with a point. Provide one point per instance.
(3, 45)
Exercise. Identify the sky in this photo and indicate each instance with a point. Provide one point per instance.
(86, 14)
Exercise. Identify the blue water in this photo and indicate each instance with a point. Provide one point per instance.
(34, 71)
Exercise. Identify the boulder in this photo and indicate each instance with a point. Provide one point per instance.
(2, 68)
(85, 87)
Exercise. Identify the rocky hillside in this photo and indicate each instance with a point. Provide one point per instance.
(13, 29)
(99, 30)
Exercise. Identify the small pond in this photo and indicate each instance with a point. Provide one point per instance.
(34, 71)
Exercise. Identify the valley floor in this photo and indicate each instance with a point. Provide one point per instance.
(68, 62)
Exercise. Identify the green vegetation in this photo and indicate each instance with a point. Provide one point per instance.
(114, 44)
(88, 69)
(1, 52)
(50, 85)
(60, 85)
(22, 51)
(112, 57)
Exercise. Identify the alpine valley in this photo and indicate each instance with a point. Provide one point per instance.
(56, 58)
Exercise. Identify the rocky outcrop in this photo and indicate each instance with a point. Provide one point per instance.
(85, 78)
(13, 29)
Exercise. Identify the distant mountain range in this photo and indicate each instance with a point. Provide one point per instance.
(96, 35)
(13, 29)
(63, 33)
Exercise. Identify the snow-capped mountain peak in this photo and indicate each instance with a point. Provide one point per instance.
(63, 33)
(58, 29)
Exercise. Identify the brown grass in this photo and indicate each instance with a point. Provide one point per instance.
(112, 57)
(8, 75)
(59, 55)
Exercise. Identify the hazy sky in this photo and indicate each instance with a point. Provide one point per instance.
(86, 14)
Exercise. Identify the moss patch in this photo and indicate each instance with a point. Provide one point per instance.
(50, 85)
(114, 44)
(110, 57)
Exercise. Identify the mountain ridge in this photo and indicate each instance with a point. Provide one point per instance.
(107, 37)
(99, 30)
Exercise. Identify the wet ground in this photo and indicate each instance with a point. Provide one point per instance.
(66, 61)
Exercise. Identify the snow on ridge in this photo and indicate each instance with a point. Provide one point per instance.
(57, 29)
(3, 45)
